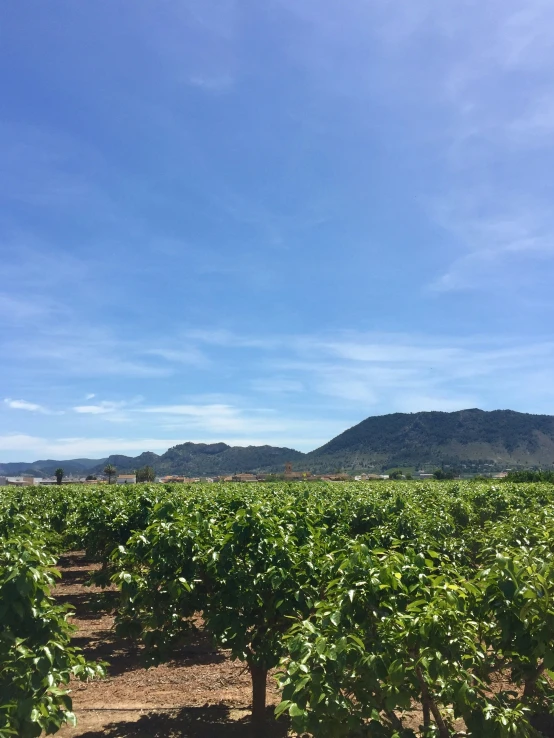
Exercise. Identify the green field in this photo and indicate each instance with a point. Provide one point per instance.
(375, 600)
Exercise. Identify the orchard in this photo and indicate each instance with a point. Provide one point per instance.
(373, 604)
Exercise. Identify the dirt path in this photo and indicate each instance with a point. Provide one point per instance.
(202, 693)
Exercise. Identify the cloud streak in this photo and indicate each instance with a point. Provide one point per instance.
(24, 405)
(304, 389)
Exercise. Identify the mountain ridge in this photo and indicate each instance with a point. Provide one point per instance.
(471, 439)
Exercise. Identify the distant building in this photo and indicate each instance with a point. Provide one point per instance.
(290, 474)
(24, 481)
(244, 478)
(127, 479)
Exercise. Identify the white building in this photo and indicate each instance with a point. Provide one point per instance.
(23, 481)
(127, 479)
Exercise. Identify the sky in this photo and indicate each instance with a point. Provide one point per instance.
(226, 220)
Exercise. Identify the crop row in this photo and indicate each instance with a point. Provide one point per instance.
(373, 600)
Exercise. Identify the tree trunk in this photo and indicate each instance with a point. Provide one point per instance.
(426, 715)
(259, 685)
(429, 701)
(530, 684)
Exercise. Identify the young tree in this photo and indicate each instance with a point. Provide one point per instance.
(110, 471)
(396, 474)
(251, 569)
(444, 474)
(146, 474)
(59, 475)
(37, 659)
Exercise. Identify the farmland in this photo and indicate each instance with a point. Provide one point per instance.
(388, 609)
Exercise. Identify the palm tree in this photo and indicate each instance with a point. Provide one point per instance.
(59, 474)
(110, 471)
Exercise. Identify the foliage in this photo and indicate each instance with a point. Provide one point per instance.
(110, 471)
(250, 572)
(146, 474)
(444, 474)
(59, 474)
(528, 475)
(377, 600)
(36, 659)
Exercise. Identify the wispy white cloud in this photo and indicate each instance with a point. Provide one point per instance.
(408, 373)
(75, 349)
(33, 447)
(414, 403)
(534, 128)
(221, 83)
(230, 339)
(38, 446)
(276, 385)
(475, 80)
(493, 239)
(188, 355)
(24, 405)
(499, 86)
(15, 309)
(100, 408)
(309, 388)
(218, 418)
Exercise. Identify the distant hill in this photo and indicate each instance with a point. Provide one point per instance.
(473, 440)
(189, 459)
(125, 463)
(205, 459)
(47, 467)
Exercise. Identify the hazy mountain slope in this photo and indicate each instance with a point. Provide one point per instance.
(499, 437)
(205, 459)
(47, 467)
(219, 458)
(126, 463)
(474, 439)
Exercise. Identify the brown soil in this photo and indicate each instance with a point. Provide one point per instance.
(202, 693)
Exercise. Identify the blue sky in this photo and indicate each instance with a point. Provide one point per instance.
(263, 222)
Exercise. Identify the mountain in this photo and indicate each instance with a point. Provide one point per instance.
(125, 463)
(47, 467)
(189, 459)
(474, 439)
(209, 459)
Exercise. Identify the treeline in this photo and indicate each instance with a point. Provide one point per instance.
(528, 475)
